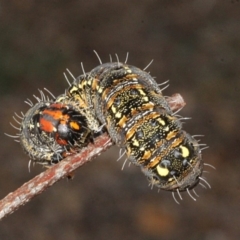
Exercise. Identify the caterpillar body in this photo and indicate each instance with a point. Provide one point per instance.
(52, 130)
(126, 102)
(129, 103)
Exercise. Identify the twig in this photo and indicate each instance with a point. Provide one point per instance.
(47, 178)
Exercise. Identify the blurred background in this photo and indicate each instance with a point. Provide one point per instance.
(195, 44)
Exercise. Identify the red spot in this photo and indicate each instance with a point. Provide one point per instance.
(46, 125)
(56, 114)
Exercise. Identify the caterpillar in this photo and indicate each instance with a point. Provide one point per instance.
(52, 129)
(129, 103)
(126, 102)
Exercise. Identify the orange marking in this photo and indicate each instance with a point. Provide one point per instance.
(60, 140)
(46, 125)
(171, 135)
(75, 125)
(145, 106)
(177, 142)
(122, 121)
(159, 143)
(56, 114)
(146, 155)
(105, 92)
(63, 122)
(130, 133)
(131, 76)
(94, 84)
(57, 105)
(80, 100)
(124, 79)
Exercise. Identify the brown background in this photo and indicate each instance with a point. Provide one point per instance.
(195, 44)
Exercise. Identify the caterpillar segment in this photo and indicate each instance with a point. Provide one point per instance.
(129, 103)
(50, 131)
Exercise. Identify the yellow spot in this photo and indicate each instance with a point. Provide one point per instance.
(82, 84)
(142, 92)
(163, 172)
(89, 82)
(135, 143)
(170, 179)
(100, 90)
(118, 115)
(113, 109)
(73, 89)
(185, 151)
(162, 122)
(166, 128)
(146, 99)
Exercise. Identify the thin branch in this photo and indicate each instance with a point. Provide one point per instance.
(47, 178)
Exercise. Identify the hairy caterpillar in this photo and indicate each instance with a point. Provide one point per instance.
(130, 104)
(52, 130)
